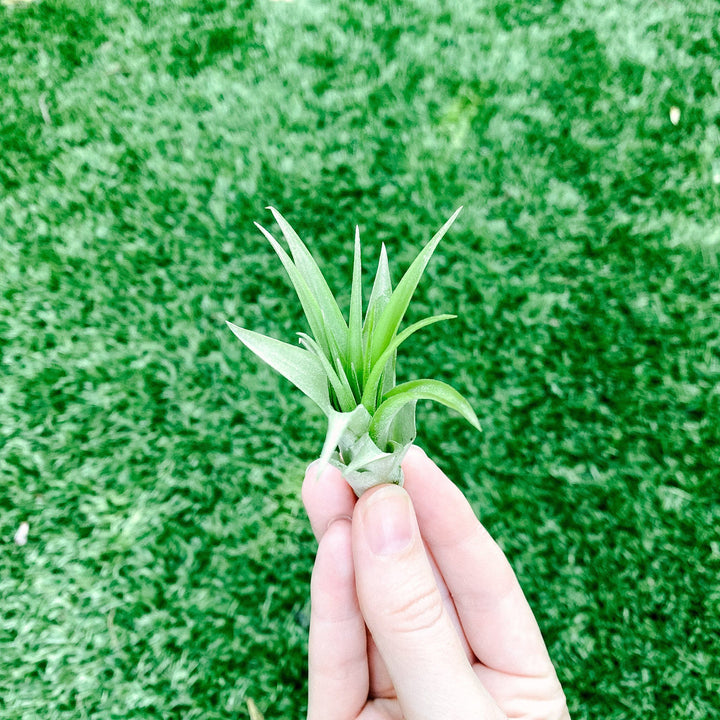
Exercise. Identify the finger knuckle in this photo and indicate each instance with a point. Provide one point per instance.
(417, 611)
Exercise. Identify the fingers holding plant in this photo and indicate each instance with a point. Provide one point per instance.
(404, 610)
(405, 582)
(417, 553)
(451, 635)
(326, 496)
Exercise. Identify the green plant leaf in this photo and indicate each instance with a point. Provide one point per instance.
(299, 366)
(309, 270)
(412, 391)
(311, 308)
(388, 382)
(370, 390)
(356, 422)
(386, 325)
(379, 298)
(336, 377)
(355, 350)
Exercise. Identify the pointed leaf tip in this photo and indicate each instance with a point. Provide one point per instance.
(332, 319)
(388, 323)
(296, 364)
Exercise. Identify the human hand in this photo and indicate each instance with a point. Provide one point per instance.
(416, 613)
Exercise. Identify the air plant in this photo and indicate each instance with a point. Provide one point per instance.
(348, 368)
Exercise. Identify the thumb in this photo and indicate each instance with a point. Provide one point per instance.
(403, 610)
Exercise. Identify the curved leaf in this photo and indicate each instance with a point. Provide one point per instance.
(338, 424)
(336, 378)
(313, 312)
(315, 280)
(412, 391)
(389, 321)
(371, 386)
(299, 366)
(379, 298)
(355, 356)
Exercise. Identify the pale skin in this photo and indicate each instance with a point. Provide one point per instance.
(416, 613)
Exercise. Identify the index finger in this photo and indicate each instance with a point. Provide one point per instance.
(326, 497)
(492, 608)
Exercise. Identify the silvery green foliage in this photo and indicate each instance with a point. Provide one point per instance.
(362, 463)
(348, 368)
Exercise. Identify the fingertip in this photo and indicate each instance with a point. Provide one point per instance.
(376, 494)
(415, 454)
(417, 466)
(314, 471)
(325, 496)
(387, 520)
(438, 501)
(312, 479)
(381, 489)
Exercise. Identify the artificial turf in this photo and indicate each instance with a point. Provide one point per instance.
(158, 464)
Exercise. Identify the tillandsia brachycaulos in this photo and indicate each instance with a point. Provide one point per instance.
(348, 368)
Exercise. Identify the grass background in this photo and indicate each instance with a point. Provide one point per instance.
(158, 464)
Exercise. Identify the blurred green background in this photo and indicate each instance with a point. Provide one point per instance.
(158, 464)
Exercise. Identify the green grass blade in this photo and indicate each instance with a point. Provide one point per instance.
(299, 366)
(355, 354)
(315, 280)
(370, 390)
(311, 308)
(337, 378)
(387, 323)
(412, 391)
